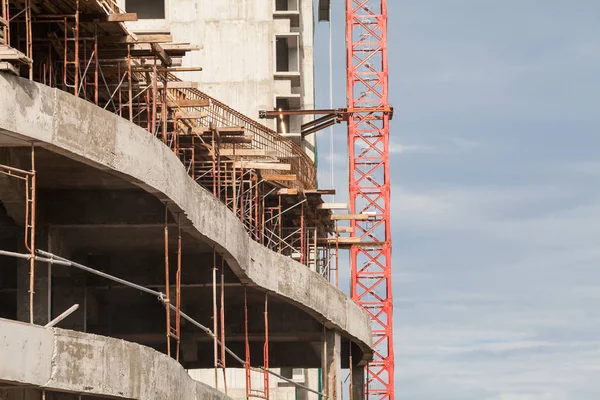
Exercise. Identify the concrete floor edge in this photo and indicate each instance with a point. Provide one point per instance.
(43, 358)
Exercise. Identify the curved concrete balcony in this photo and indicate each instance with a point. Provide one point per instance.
(67, 362)
(105, 181)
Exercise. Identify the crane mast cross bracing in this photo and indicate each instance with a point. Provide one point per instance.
(368, 148)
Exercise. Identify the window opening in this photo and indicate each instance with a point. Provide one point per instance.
(146, 9)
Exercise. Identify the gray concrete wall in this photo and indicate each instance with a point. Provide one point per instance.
(62, 360)
(62, 123)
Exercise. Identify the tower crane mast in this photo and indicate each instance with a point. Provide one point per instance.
(368, 116)
(368, 149)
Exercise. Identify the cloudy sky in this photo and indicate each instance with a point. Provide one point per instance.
(496, 195)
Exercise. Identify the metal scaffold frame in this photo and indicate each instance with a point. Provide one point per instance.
(85, 49)
(29, 178)
(368, 148)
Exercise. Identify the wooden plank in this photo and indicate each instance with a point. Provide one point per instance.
(191, 115)
(237, 139)
(182, 47)
(188, 103)
(332, 206)
(283, 177)
(320, 191)
(3, 22)
(348, 217)
(202, 131)
(171, 69)
(231, 130)
(288, 192)
(262, 165)
(343, 240)
(147, 63)
(122, 17)
(161, 53)
(175, 62)
(141, 47)
(150, 38)
(247, 152)
(168, 47)
(9, 53)
(179, 85)
(138, 38)
(223, 133)
(344, 229)
(6, 66)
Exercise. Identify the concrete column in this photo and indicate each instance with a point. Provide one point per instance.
(56, 288)
(333, 365)
(358, 383)
(41, 314)
(68, 284)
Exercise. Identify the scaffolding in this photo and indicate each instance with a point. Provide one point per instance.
(266, 180)
(86, 49)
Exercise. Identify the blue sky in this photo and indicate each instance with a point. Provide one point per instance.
(496, 202)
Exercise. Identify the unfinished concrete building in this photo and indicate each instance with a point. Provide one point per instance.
(148, 230)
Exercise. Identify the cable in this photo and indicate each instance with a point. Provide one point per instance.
(332, 177)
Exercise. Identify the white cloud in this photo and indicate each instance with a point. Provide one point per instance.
(497, 346)
(465, 144)
(468, 207)
(581, 167)
(535, 396)
(493, 325)
(442, 146)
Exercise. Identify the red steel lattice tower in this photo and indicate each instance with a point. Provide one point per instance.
(368, 148)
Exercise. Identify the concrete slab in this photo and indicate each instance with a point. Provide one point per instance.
(26, 353)
(76, 362)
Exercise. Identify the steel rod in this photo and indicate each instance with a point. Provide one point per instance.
(31, 246)
(167, 281)
(178, 287)
(62, 316)
(215, 321)
(222, 322)
(20, 171)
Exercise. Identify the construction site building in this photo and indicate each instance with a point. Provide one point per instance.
(156, 240)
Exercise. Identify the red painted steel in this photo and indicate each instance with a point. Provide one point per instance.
(368, 147)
